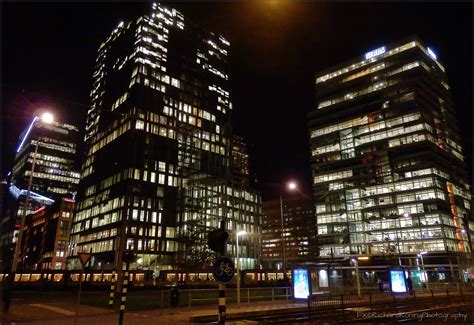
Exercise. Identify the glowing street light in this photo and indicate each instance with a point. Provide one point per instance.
(47, 117)
(291, 186)
(239, 233)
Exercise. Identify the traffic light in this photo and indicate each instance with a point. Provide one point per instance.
(217, 239)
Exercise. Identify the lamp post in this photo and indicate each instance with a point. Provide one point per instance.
(239, 233)
(45, 118)
(292, 187)
(425, 275)
(356, 266)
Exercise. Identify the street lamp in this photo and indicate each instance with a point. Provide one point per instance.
(291, 186)
(239, 233)
(425, 275)
(355, 261)
(48, 119)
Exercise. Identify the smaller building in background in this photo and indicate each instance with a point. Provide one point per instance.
(46, 237)
(296, 235)
(240, 161)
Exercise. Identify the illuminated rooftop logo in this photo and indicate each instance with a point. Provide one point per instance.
(374, 53)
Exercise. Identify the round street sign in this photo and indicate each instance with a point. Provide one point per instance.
(223, 270)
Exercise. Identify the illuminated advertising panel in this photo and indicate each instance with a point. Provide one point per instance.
(397, 281)
(301, 283)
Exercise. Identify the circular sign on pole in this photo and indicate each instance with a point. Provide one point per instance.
(223, 270)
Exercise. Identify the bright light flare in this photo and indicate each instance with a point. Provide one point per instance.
(292, 186)
(47, 117)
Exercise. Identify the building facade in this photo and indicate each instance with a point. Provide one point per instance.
(389, 177)
(46, 237)
(293, 240)
(56, 175)
(56, 167)
(158, 146)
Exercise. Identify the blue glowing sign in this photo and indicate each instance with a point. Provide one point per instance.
(374, 53)
(223, 269)
(432, 54)
(397, 281)
(300, 283)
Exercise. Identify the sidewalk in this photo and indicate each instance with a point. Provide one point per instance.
(63, 313)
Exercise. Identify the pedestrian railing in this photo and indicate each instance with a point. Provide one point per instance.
(328, 301)
(195, 297)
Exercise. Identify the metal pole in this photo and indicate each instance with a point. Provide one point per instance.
(425, 275)
(78, 301)
(222, 307)
(23, 215)
(283, 239)
(123, 299)
(238, 269)
(357, 276)
(112, 290)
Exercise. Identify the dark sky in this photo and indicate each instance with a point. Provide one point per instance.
(49, 49)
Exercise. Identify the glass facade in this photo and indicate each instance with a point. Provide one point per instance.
(388, 170)
(158, 146)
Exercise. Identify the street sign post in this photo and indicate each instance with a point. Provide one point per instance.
(84, 258)
(223, 271)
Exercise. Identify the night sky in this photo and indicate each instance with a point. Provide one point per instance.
(49, 52)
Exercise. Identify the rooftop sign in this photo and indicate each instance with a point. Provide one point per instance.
(374, 53)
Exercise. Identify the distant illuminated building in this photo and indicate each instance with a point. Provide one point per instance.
(157, 151)
(46, 237)
(55, 174)
(298, 231)
(389, 176)
(240, 161)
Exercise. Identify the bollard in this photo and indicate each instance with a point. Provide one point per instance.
(112, 290)
(432, 293)
(123, 299)
(447, 294)
(189, 299)
(414, 294)
(370, 301)
(273, 294)
(161, 301)
(309, 308)
(248, 295)
(342, 306)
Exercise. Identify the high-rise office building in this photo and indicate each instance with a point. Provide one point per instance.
(52, 146)
(56, 172)
(158, 145)
(389, 177)
(291, 241)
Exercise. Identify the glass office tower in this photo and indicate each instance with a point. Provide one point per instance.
(56, 175)
(158, 145)
(389, 177)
